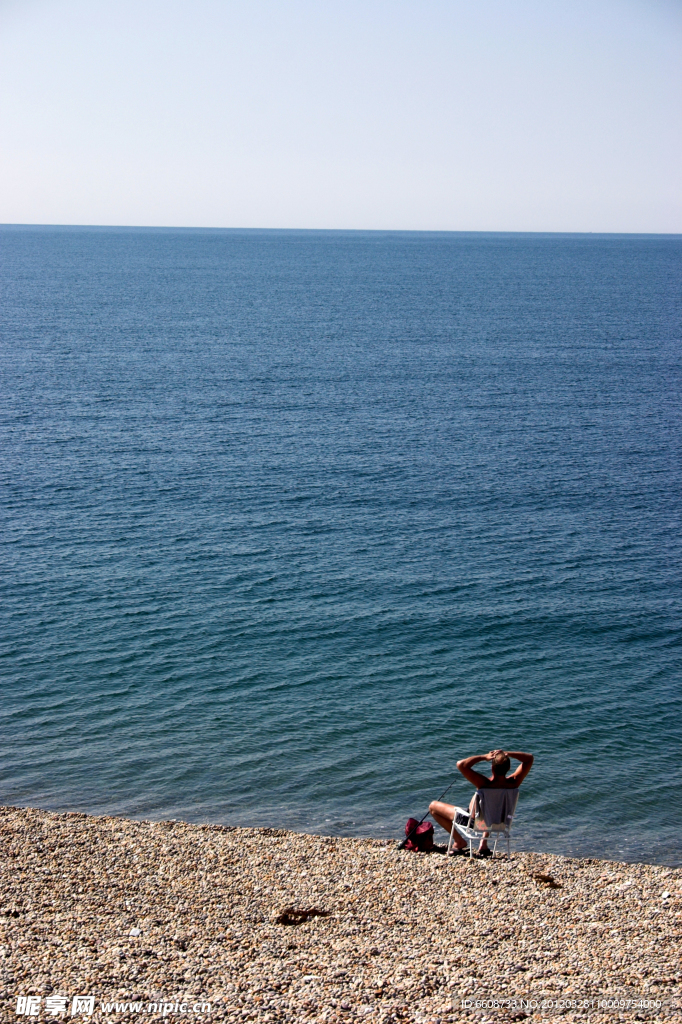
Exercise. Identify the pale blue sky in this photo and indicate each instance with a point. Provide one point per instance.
(509, 115)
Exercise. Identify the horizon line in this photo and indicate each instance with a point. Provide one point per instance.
(376, 231)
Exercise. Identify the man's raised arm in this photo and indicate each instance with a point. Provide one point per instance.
(467, 770)
(525, 766)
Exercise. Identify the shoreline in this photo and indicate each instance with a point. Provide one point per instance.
(170, 914)
(575, 849)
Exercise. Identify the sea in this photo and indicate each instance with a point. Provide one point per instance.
(291, 521)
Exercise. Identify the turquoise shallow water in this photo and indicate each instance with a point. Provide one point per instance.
(293, 520)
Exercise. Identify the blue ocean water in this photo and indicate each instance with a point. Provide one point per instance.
(291, 521)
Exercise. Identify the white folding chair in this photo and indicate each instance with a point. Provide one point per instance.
(472, 827)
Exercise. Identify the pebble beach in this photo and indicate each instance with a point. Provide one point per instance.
(167, 920)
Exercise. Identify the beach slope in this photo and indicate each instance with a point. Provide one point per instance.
(259, 924)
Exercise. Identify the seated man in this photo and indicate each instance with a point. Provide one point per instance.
(501, 763)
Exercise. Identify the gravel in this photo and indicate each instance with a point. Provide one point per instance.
(268, 925)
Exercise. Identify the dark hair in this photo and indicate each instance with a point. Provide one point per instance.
(501, 763)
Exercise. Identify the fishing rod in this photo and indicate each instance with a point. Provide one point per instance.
(401, 846)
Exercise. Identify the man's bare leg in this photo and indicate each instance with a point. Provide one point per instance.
(443, 814)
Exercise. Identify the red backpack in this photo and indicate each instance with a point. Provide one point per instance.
(421, 837)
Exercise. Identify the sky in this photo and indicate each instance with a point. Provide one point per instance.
(484, 115)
